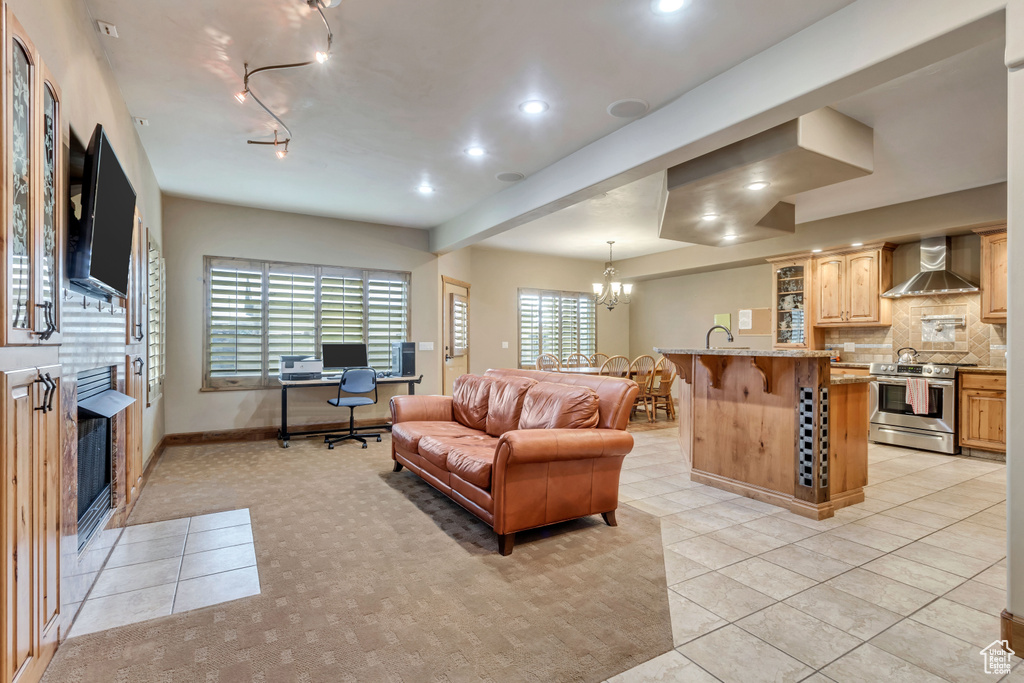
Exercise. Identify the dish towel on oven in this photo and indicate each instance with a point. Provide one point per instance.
(917, 395)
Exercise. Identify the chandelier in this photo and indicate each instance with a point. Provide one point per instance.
(279, 144)
(608, 293)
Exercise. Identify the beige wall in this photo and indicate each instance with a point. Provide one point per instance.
(677, 311)
(66, 37)
(196, 229)
(496, 278)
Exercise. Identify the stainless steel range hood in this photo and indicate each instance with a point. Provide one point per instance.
(935, 276)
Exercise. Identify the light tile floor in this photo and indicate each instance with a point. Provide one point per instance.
(907, 586)
(168, 567)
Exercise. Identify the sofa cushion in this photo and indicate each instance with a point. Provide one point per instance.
(435, 448)
(469, 400)
(559, 406)
(472, 464)
(506, 403)
(407, 435)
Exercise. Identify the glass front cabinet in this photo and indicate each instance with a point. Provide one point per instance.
(34, 175)
(791, 291)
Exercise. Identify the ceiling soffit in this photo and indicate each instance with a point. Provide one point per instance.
(821, 148)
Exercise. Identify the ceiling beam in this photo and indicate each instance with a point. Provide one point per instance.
(857, 48)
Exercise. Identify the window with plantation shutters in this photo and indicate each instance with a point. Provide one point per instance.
(559, 323)
(259, 311)
(156, 333)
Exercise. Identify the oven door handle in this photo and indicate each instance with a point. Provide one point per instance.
(903, 383)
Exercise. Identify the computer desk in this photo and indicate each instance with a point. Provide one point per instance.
(283, 435)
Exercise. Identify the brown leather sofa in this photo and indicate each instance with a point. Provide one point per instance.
(520, 448)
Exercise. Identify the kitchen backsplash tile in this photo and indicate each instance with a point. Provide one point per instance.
(976, 342)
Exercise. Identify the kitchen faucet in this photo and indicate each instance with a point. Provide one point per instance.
(707, 339)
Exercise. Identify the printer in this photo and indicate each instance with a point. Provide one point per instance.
(301, 367)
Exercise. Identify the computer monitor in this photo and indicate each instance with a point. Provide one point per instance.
(340, 356)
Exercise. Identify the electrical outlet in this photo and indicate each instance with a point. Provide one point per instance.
(107, 29)
(849, 347)
(426, 346)
(504, 345)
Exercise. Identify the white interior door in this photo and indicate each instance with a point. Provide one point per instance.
(455, 332)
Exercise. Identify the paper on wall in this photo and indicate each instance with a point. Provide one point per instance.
(746, 319)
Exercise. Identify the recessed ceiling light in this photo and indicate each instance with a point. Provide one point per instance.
(758, 185)
(628, 109)
(533, 107)
(475, 151)
(857, 244)
(730, 237)
(709, 217)
(510, 176)
(425, 189)
(815, 251)
(668, 6)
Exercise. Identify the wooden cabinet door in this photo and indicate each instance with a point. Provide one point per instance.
(983, 419)
(21, 396)
(993, 278)
(47, 437)
(831, 287)
(862, 299)
(135, 386)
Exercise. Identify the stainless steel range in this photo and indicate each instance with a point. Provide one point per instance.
(893, 420)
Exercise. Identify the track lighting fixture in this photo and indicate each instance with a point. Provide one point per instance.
(320, 56)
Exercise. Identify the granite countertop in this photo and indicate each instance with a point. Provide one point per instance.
(851, 379)
(862, 366)
(984, 370)
(768, 353)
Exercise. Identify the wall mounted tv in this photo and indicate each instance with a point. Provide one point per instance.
(100, 235)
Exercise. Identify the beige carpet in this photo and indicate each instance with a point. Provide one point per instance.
(369, 575)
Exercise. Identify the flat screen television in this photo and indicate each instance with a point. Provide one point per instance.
(100, 237)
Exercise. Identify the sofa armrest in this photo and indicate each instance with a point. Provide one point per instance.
(421, 409)
(548, 445)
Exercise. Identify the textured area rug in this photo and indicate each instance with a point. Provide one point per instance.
(369, 575)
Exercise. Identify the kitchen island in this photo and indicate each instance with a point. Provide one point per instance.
(775, 426)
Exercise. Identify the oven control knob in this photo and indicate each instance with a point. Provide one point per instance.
(928, 370)
(945, 371)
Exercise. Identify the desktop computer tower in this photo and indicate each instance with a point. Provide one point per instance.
(403, 359)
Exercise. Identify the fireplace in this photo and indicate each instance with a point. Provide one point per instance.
(98, 404)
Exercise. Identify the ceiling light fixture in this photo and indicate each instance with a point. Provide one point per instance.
(607, 293)
(758, 185)
(729, 238)
(321, 56)
(815, 251)
(425, 189)
(857, 244)
(709, 217)
(533, 107)
(668, 6)
(475, 151)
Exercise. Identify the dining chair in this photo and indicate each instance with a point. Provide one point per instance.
(546, 361)
(576, 360)
(616, 366)
(598, 359)
(661, 393)
(642, 372)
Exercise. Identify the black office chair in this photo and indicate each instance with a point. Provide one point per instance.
(354, 381)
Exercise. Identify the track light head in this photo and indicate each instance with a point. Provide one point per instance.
(282, 152)
(242, 96)
(322, 56)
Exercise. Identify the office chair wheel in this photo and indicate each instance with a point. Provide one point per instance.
(364, 445)
(330, 446)
(378, 438)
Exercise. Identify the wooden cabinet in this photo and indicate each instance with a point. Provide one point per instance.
(848, 287)
(791, 304)
(993, 274)
(983, 411)
(30, 528)
(33, 191)
(135, 386)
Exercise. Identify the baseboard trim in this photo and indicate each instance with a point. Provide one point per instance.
(255, 433)
(1012, 630)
